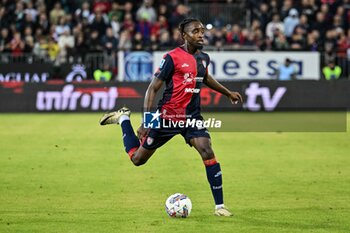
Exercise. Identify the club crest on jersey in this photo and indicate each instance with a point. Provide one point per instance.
(188, 78)
(149, 140)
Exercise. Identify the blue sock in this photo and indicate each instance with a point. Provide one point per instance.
(129, 138)
(215, 181)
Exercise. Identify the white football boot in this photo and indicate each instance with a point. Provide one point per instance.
(222, 212)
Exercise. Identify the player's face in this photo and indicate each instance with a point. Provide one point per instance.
(194, 33)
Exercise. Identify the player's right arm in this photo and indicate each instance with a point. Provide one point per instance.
(164, 73)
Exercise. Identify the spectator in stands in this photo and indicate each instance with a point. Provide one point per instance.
(286, 71)
(304, 23)
(308, 8)
(313, 43)
(99, 22)
(327, 14)
(332, 71)
(128, 23)
(290, 22)
(94, 42)
(19, 15)
(41, 7)
(84, 12)
(125, 43)
(61, 27)
(110, 45)
(66, 45)
(178, 15)
(137, 42)
(218, 39)
(52, 49)
(279, 42)
(298, 39)
(235, 37)
(28, 44)
(146, 12)
(29, 39)
(30, 10)
(80, 48)
(128, 8)
(40, 48)
(275, 24)
(164, 40)
(320, 25)
(4, 19)
(286, 7)
(263, 15)
(154, 43)
(144, 27)
(43, 23)
(163, 11)
(160, 26)
(56, 13)
(5, 40)
(17, 45)
(274, 7)
(27, 22)
(115, 13)
(116, 26)
(103, 6)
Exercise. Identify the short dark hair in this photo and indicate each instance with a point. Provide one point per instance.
(186, 21)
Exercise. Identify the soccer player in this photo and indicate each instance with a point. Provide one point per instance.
(183, 70)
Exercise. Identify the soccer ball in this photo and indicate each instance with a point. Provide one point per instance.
(178, 205)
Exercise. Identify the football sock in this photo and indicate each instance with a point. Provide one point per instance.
(215, 180)
(131, 142)
(123, 118)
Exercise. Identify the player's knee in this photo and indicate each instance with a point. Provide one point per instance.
(206, 153)
(137, 161)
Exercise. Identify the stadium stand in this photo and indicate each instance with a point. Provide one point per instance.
(66, 31)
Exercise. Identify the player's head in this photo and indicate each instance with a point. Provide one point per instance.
(192, 31)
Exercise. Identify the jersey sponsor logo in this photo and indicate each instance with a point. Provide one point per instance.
(185, 65)
(192, 90)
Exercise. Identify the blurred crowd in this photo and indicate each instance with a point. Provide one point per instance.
(65, 28)
(58, 29)
(304, 25)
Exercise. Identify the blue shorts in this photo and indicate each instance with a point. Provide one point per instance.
(158, 137)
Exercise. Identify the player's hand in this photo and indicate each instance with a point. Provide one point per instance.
(142, 132)
(235, 97)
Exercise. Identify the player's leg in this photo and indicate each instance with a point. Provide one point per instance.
(213, 170)
(138, 154)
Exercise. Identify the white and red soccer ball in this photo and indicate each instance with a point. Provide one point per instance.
(178, 205)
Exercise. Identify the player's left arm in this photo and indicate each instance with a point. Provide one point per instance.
(215, 85)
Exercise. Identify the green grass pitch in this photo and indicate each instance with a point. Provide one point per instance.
(65, 173)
